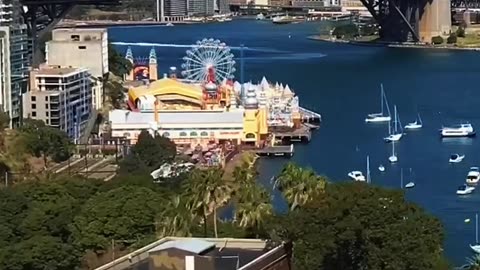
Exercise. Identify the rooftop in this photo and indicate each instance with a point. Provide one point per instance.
(46, 70)
(197, 117)
(204, 254)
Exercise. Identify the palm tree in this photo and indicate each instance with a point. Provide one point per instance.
(299, 185)
(208, 191)
(177, 219)
(253, 205)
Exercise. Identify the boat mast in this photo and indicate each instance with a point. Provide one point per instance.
(382, 94)
(393, 148)
(476, 228)
(395, 121)
(401, 178)
(368, 169)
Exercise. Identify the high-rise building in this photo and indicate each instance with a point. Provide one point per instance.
(223, 6)
(14, 81)
(201, 7)
(61, 97)
(173, 10)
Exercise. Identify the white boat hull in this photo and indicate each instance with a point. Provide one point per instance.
(393, 137)
(472, 181)
(413, 126)
(464, 192)
(475, 248)
(457, 160)
(457, 134)
(410, 185)
(378, 119)
(393, 159)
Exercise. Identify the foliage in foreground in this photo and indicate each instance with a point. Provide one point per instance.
(53, 224)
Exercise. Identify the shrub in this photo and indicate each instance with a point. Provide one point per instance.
(437, 40)
(461, 32)
(348, 30)
(452, 38)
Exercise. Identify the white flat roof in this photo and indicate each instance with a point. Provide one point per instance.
(200, 117)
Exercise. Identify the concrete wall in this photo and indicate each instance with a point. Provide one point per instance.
(436, 20)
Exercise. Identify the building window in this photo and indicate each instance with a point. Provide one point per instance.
(34, 106)
(183, 134)
(82, 47)
(166, 134)
(193, 134)
(46, 98)
(75, 37)
(204, 134)
(33, 99)
(46, 114)
(34, 114)
(46, 106)
(250, 136)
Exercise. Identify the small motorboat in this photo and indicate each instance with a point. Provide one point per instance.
(473, 175)
(475, 248)
(169, 24)
(410, 185)
(415, 125)
(456, 158)
(357, 176)
(393, 159)
(462, 130)
(381, 168)
(465, 189)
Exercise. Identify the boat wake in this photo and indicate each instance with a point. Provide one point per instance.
(172, 45)
(291, 56)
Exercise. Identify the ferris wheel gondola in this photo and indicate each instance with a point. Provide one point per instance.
(207, 60)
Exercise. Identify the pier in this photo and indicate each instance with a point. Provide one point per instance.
(309, 116)
(278, 150)
(301, 134)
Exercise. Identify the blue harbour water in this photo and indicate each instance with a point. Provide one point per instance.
(342, 82)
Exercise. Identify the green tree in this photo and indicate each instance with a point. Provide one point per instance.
(115, 92)
(357, 226)
(452, 39)
(13, 209)
(207, 191)
(460, 32)
(149, 153)
(177, 219)
(44, 141)
(125, 213)
(345, 31)
(117, 63)
(437, 40)
(4, 121)
(299, 185)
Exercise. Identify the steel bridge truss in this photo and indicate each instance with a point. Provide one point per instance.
(398, 19)
(42, 15)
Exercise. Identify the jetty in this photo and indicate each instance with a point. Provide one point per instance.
(278, 150)
(301, 134)
(309, 116)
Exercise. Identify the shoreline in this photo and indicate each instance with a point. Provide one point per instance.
(393, 45)
(110, 23)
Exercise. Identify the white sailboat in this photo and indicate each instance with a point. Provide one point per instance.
(415, 125)
(393, 158)
(397, 133)
(476, 247)
(381, 116)
(410, 184)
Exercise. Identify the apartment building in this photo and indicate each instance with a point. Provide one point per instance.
(173, 10)
(61, 97)
(16, 55)
(81, 48)
(87, 48)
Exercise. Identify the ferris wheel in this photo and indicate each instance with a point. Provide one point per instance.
(206, 59)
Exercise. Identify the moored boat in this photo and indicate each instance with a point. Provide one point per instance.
(465, 189)
(461, 130)
(357, 176)
(382, 116)
(473, 175)
(456, 158)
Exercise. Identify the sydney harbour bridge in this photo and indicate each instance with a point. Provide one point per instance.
(399, 20)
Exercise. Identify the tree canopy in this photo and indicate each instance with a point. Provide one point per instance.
(117, 63)
(357, 226)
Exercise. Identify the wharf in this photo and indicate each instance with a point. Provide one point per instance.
(309, 116)
(294, 135)
(278, 150)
